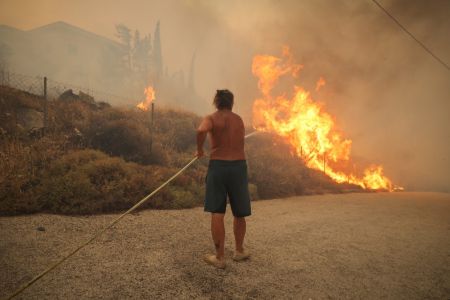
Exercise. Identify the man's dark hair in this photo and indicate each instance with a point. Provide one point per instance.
(224, 99)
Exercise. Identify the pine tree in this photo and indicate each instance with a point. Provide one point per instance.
(146, 52)
(157, 54)
(124, 35)
(136, 49)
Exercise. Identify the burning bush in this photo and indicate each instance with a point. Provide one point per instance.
(277, 172)
(306, 125)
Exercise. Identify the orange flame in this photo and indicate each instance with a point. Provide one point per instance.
(149, 97)
(320, 83)
(305, 124)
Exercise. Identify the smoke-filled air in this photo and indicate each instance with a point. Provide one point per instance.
(387, 99)
(226, 149)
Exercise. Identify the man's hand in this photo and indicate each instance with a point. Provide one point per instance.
(199, 153)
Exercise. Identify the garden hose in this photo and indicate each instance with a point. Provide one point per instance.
(96, 235)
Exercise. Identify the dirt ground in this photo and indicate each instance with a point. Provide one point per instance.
(351, 246)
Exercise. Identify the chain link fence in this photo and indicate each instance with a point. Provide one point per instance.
(53, 88)
(31, 84)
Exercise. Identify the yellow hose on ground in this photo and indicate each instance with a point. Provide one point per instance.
(96, 235)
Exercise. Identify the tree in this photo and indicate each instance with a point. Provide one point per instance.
(124, 35)
(136, 49)
(141, 55)
(157, 62)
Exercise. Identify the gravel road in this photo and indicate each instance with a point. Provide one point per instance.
(351, 246)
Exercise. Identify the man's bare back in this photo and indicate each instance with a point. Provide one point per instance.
(226, 135)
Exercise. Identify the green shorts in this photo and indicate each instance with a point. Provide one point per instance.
(227, 178)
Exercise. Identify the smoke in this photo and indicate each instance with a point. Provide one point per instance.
(388, 95)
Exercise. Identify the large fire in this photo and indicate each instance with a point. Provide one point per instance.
(306, 125)
(149, 97)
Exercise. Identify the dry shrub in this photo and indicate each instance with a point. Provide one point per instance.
(126, 133)
(14, 98)
(159, 154)
(52, 174)
(176, 129)
(89, 181)
(11, 102)
(124, 137)
(64, 116)
(22, 168)
(119, 132)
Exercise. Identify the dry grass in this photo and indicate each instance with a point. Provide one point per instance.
(96, 158)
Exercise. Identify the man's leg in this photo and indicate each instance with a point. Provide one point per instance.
(240, 206)
(239, 227)
(218, 234)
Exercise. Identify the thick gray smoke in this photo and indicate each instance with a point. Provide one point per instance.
(388, 95)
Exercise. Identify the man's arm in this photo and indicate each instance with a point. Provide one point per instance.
(202, 132)
(201, 136)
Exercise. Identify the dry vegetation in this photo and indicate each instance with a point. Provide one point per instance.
(96, 158)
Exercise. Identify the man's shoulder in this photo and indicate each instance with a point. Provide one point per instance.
(211, 116)
(238, 117)
(218, 115)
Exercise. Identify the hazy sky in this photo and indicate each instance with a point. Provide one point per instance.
(387, 94)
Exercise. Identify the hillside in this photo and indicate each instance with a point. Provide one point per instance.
(63, 51)
(95, 158)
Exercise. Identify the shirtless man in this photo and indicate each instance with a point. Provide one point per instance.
(227, 175)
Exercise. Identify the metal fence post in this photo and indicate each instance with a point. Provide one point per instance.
(45, 105)
(151, 126)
